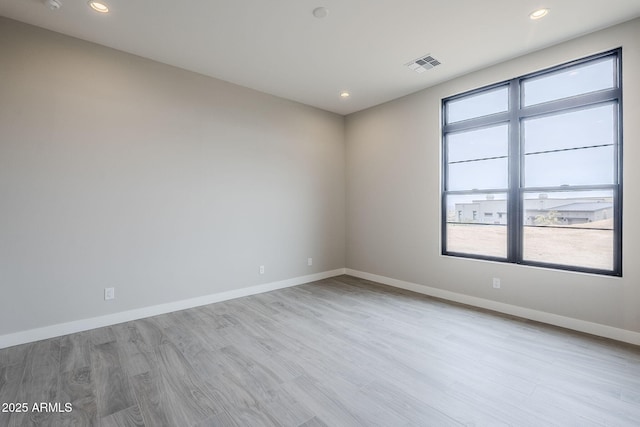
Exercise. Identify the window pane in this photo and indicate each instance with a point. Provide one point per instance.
(587, 166)
(482, 104)
(477, 224)
(478, 158)
(569, 228)
(583, 128)
(478, 144)
(574, 148)
(478, 175)
(577, 80)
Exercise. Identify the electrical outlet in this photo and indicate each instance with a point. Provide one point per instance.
(496, 283)
(309, 261)
(109, 293)
(262, 269)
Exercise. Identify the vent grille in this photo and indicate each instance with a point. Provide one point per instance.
(423, 64)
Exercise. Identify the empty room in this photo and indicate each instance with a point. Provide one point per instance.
(319, 213)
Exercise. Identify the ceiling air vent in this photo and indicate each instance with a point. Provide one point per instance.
(423, 64)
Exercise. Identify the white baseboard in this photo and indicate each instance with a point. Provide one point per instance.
(60, 329)
(527, 313)
(57, 330)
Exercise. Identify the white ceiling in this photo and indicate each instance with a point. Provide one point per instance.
(279, 47)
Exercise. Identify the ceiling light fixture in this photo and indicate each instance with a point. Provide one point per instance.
(320, 12)
(537, 14)
(344, 94)
(53, 4)
(99, 7)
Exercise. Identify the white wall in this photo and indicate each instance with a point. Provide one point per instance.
(393, 208)
(116, 171)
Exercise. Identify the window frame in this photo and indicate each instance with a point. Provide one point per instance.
(515, 191)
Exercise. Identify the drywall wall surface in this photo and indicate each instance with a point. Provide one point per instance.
(117, 171)
(393, 197)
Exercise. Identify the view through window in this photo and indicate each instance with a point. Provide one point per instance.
(532, 169)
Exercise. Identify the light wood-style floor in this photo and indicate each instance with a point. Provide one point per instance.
(338, 352)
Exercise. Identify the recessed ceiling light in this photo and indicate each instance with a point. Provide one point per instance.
(320, 12)
(537, 14)
(53, 4)
(99, 7)
(344, 94)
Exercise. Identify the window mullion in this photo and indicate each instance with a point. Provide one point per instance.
(617, 200)
(578, 101)
(514, 223)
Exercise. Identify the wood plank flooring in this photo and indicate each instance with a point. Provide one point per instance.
(338, 352)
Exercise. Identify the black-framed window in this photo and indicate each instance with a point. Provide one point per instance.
(532, 169)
